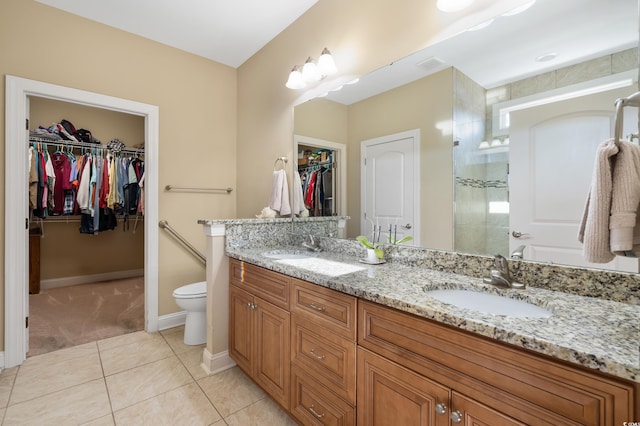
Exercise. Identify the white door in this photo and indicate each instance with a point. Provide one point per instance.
(551, 158)
(390, 186)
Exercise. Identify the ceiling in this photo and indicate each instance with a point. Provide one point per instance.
(225, 31)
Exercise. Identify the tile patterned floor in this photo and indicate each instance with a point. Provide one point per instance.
(133, 379)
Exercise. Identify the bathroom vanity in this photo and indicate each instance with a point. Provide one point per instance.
(337, 341)
(331, 357)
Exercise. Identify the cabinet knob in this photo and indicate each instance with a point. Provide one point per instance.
(441, 408)
(315, 413)
(456, 416)
(251, 305)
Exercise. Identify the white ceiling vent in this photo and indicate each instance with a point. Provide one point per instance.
(431, 64)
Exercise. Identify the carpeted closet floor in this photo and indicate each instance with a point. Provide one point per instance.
(70, 316)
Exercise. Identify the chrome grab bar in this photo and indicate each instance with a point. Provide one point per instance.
(194, 251)
(196, 189)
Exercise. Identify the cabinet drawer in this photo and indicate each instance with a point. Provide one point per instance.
(333, 310)
(311, 404)
(326, 357)
(525, 386)
(270, 286)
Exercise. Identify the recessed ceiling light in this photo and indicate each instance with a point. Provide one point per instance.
(519, 9)
(453, 5)
(547, 57)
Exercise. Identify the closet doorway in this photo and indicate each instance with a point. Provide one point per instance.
(338, 155)
(18, 94)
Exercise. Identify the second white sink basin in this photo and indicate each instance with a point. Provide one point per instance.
(489, 303)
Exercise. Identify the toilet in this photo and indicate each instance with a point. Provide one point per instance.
(193, 299)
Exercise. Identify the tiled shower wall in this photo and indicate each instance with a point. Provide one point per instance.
(480, 175)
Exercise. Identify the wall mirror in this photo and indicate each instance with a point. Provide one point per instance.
(495, 130)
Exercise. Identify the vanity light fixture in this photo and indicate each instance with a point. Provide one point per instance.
(311, 71)
(326, 64)
(295, 80)
(450, 6)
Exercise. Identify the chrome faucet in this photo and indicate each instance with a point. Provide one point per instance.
(312, 245)
(500, 275)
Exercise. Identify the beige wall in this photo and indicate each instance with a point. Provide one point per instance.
(197, 104)
(427, 105)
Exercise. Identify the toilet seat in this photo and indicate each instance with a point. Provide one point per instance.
(191, 291)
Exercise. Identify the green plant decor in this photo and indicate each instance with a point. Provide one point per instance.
(376, 246)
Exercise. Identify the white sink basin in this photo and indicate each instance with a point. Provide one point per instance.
(489, 303)
(282, 254)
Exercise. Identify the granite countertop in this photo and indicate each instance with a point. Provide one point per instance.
(595, 333)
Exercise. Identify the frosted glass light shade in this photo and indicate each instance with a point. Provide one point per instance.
(295, 80)
(310, 71)
(326, 64)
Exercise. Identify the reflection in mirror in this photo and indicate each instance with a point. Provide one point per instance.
(472, 99)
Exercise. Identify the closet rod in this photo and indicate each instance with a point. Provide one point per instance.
(190, 188)
(63, 143)
(194, 251)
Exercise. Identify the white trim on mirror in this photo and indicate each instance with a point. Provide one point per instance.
(501, 110)
(18, 90)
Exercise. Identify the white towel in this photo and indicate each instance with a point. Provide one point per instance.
(279, 200)
(298, 198)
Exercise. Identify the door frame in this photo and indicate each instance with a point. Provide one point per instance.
(18, 91)
(415, 135)
(340, 172)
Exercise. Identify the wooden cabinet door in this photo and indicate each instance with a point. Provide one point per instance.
(273, 350)
(468, 412)
(389, 394)
(241, 329)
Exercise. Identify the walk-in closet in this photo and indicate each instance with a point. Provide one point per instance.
(316, 167)
(86, 249)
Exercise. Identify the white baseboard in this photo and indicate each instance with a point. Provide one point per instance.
(215, 363)
(94, 278)
(176, 319)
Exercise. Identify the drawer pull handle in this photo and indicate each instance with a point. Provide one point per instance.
(316, 307)
(313, 352)
(315, 413)
(456, 416)
(441, 408)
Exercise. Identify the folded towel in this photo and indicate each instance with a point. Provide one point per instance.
(279, 200)
(298, 198)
